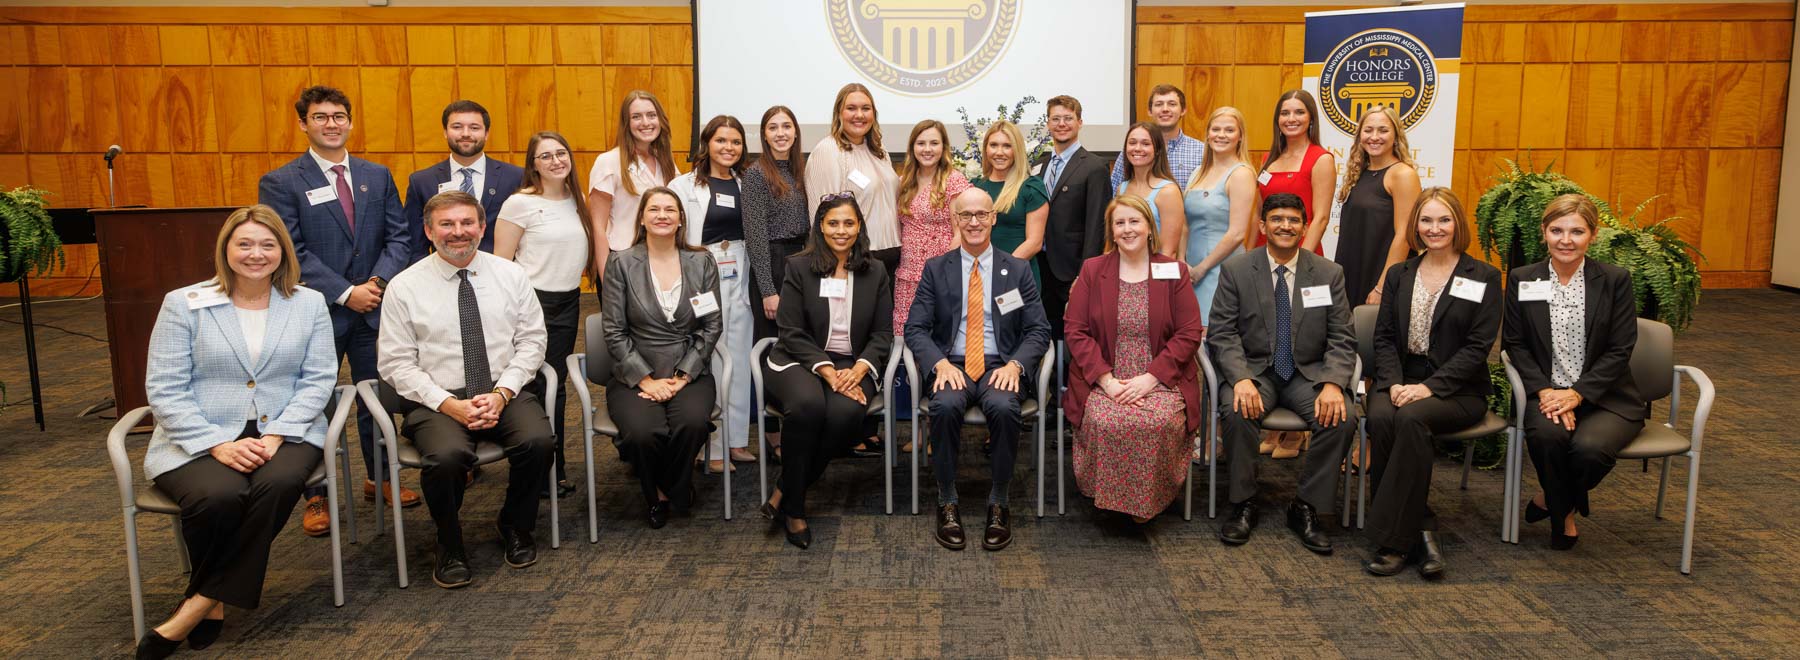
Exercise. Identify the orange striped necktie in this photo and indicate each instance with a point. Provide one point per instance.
(975, 353)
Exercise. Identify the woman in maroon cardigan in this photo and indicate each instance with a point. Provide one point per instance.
(1132, 326)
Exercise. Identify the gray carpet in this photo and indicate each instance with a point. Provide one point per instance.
(876, 585)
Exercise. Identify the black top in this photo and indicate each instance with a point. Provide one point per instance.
(1365, 230)
(724, 212)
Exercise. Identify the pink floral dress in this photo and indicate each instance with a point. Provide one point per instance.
(925, 232)
(1132, 459)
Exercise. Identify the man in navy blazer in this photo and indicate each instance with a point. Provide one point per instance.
(978, 354)
(344, 215)
(491, 181)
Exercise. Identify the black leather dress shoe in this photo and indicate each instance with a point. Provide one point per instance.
(1534, 513)
(155, 647)
(949, 528)
(659, 514)
(1307, 526)
(1236, 528)
(1386, 562)
(452, 569)
(1429, 556)
(999, 528)
(205, 633)
(519, 549)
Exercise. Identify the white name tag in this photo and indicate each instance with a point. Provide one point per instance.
(1037, 169)
(1535, 290)
(1165, 271)
(857, 177)
(728, 270)
(833, 288)
(1263, 179)
(1315, 296)
(725, 201)
(705, 303)
(448, 186)
(319, 196)
(1009, 301)
(204, 299)
(1467, 289)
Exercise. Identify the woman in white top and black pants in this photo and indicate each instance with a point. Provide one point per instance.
(710, 196)
(545, 228)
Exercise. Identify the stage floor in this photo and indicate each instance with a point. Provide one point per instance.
(878, 586)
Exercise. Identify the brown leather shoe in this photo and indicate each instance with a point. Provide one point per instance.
(317, 519)
(408, 498)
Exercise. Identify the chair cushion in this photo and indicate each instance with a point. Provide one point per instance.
(876, 407)
(1656, 441)
(1489, 425)
(1027, 409)
(485, 453)
(154, 500)
(1282, 419)
(603, 421)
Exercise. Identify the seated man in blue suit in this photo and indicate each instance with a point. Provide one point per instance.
(467, 169)
(977, 323)
(344, 215)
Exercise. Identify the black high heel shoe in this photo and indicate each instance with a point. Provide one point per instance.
(156, 647)
(205, 633)
(1534, 513)
(1559, 540)
(801, 539)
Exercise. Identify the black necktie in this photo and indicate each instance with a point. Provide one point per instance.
(1284, 326)
(474, 346)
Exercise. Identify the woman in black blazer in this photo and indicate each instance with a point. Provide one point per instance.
(835, 327)
(1440, 314)
(1571, 323)
(660, 317)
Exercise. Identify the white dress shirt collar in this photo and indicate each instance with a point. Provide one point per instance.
(326, 165)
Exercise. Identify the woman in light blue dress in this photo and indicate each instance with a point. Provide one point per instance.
(1218, 203)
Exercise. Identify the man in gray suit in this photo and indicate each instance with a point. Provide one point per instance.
(1280, 338)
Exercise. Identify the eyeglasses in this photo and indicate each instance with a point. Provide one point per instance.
(551, 156)
(973, 216)
(323, 119)
(1063, 119)
(832, 197)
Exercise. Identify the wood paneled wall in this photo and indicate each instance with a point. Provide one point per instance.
(202, 98)
(1632, 100)
(1686, 101)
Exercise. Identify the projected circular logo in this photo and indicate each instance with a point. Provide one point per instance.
(922, 47)
(1378, 67)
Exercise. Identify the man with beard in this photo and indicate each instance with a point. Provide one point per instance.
(1280, 337)
(467, 169)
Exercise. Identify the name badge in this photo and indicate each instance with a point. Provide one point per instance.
(201, 300)
(705, 303)
(1263, 179)
(728, 270)
(321, 195)
(725, 201)
(1037, 169)
(448, 186)
(1315, 296)
(1165, 271)
(1467, 289)
(833, 288)
(1535, 290)
(1009, 301)
(857, 177)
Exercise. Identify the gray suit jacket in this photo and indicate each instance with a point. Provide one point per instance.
(1241, 330)
(641, 340)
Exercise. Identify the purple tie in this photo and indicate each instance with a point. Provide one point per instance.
(343, 195)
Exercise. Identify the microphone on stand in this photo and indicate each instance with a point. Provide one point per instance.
(111, 153)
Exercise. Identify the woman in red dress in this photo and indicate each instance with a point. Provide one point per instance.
(1297, 164)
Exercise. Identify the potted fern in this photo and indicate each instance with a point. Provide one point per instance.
(1507, 217)
(28, 242)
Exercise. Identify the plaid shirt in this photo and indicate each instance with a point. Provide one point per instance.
(1184, 157)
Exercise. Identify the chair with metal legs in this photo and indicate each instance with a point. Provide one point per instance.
(1029, 409)
(881, 405)
(595, 367)
(1658, 377)
(398, 451)
(152, 500)
(1274, 419)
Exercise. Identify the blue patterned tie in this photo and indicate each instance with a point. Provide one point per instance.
(1056, 165)
(468, 182)
(1284, 331)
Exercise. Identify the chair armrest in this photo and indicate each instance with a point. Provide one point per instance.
(723, 383)
(1356, 377)
(912, 375)
(1518, 390)
(577, 364)
(1702, 408)
(888, 372)
(548, 373)
(1046, 375)
(115, 450)
(756, 355)
(384, 422)
(334, 432)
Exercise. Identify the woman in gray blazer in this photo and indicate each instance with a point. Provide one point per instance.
(240, 370)
(660, 317)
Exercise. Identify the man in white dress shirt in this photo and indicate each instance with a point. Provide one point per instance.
(461, 336)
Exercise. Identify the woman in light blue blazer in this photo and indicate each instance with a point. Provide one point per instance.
(240, 369)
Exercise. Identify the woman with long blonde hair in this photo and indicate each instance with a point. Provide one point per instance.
(1218, 202)
(1381, 184)
(1021, 202)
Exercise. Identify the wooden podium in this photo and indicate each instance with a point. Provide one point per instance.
(145, 253)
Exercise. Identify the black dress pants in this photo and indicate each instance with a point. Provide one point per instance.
(1319, 473)
(228, 518)
(1001, 408)
(821, 425)
(779, 251)
(447, 452)
(562, 317)
(1401, 456)
(660, 439)
(1571, 463)
(1055, 297)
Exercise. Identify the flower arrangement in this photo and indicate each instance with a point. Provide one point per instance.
(1037, 139)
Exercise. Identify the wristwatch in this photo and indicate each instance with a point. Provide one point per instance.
(1015, 364)
(504, 397)
(379, 283)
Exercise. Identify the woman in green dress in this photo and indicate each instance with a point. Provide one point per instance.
(1021, 203)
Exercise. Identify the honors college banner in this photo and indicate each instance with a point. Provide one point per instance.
(1405, 58)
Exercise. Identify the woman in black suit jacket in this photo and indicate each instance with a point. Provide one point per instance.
(835, 327)
(1440, 314)
(1571, 323)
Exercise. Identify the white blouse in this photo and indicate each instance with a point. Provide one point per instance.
(668, 299)
(254, 323)
(554, 249)
(831, 170)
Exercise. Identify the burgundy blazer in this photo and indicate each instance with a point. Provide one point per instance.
(1091, 329)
